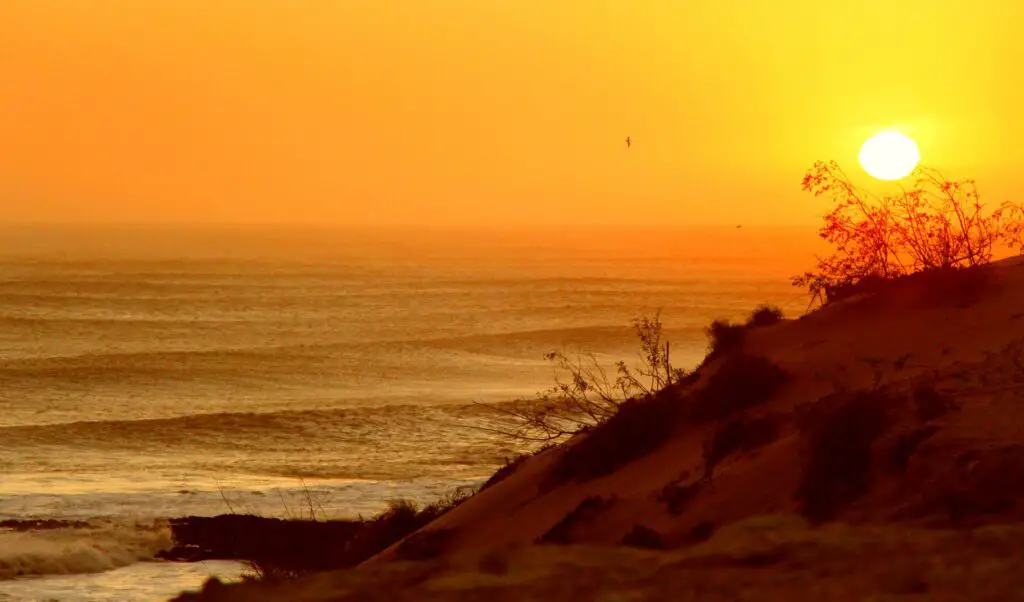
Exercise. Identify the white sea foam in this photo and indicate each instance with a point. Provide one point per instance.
(101, 546)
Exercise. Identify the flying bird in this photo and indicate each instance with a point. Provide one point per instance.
(629, 142)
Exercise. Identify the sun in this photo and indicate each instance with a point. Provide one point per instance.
(889, 155)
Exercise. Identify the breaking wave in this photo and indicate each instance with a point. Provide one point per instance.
(79, 548)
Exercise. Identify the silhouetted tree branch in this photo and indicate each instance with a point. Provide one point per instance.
(937, 224)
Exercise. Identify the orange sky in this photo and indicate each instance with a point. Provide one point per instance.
(436, 112)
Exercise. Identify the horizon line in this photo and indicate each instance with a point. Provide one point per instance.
(392, 227)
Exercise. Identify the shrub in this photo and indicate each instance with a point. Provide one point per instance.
(561, 532)
(505, 471)
(585, 394)
(701, 531)
(724, 337)
(318, 550)
(937, 224)
(741, 382)
(675, 496)
(839, 441)
(276, 548)
(953, 287)
(639, 428)
(512, 466)
(644, 538)
(738, 435)
(764, 315)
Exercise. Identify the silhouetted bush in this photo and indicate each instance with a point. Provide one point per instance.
(401, 519)
(868, 285)
(283, 547)
(936, 225)
(640, 427)
(701, 531)
(738, 435)
(505, 471)
(644, 538)
(953, 287)
(586, 393)
(588, 509)
(277, 549)
(512, 466)
(742, 381)
(724, 337)
(675, 496)
(839, 441)
(764, 315)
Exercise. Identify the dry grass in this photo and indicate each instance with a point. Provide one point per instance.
(402, 518)
(839, 452)
(740, 434)
(590, 508)
(741, 382)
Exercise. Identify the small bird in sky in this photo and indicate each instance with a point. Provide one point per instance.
(629, 142)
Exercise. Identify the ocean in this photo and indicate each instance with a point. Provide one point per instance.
(154, 373)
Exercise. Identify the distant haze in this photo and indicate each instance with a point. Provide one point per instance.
(565, 251)
(497, 112)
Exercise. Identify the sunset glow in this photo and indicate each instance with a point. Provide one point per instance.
(437, 112)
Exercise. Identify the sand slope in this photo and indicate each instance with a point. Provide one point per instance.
(969, 349)
(951, 457)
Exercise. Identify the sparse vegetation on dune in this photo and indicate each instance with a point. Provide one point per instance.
(629, 419)
(639, 427)
(937, 225)
(643, 424)
(740, 434)
(279, 549)
(509, 468)
(839, 452)
(644, 538)
(586, 394)
(765, 315)
(588, 510)
(741, 381)
(724, 337)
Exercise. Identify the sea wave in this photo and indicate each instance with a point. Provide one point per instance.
(90, 547)
(600, 335)
(206, 428)
(424, 359)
